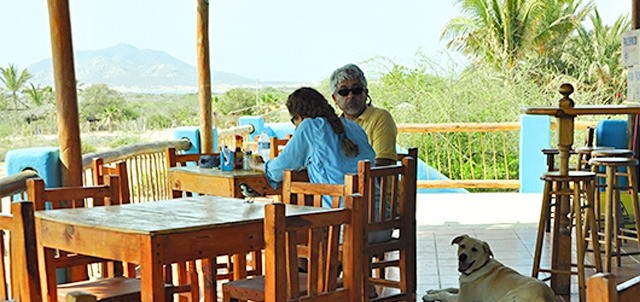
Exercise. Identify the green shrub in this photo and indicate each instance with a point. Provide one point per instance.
(158, 121)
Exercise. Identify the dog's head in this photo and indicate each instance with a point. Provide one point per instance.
(472, 253)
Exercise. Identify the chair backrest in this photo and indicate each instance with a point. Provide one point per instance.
(75, 197)
(22, 255)
(411, 152)
(390, 198)
(101, 170)
(174, 159)
(602, 287)
(296, 189)
(277, 144)
(322, 234)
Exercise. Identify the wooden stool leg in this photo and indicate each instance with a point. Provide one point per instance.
(590, 224)
(544, 209)
(617, 214)
(579, 241)
(596, 198)
(608, 219)
(633, 191)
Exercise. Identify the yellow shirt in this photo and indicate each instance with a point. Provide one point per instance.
(381, 130)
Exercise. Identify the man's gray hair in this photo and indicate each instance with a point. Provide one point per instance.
(346, 72)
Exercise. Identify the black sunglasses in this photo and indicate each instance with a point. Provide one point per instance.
(293, 119)
(354, 90)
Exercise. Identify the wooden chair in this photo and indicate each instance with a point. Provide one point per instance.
(183, 284)
(393, 185)
(115, 286)
(22, 277)
(175, 159)
(321, 232)
(602, 287)
(296, 188)
(390, 196)
(278, 144)
(224, 268)
(102, 170)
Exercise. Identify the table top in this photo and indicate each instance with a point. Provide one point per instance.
(169, 216)
(216, 172)
(583, 110)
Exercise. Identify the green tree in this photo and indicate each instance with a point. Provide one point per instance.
(100, 103)
(39, 96)
(13, 81)
(506, 32)
(593, 56)
(238, 101)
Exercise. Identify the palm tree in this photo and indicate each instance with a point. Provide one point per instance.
(594, 56)
(505, 32)
(39, 96)
(14, 81)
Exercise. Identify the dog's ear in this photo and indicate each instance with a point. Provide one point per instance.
(487, 249)
(458, 239)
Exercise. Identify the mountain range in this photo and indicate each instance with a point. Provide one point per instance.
(127, 69)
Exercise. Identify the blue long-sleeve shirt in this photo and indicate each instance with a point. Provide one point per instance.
(317, 148)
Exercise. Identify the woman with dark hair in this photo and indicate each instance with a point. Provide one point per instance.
(323, 143)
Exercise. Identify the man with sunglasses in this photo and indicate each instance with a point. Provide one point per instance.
(349, 90)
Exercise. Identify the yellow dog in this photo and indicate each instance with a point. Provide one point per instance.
(484, 279)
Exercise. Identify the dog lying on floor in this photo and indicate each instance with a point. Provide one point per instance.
(483, 279)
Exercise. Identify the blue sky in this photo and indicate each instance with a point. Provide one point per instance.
(266, 40)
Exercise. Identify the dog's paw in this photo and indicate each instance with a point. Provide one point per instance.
(434, 295)
(445, 294)
(451, 290)
(430, 297)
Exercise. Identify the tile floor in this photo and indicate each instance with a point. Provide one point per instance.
(507, 221)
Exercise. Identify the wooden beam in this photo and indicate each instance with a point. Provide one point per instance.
(204, 77)
(66, 103)
(66, 97)
(635, 18)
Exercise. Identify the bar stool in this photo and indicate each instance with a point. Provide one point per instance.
(611, 152)
(614, 229)
(585, 154)
(550, 154)
(601, 175)
(579, 185)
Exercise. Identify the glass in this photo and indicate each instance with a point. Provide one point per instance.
(354, 90)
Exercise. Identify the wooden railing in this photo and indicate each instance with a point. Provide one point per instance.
(146, 167)
(15, 185)
(470, 155)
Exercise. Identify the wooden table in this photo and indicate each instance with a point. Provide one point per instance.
(566, 113)
(156, 233)
(217, 182)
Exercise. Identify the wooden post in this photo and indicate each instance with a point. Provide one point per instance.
(204, 77)
(635, 18)
(633, 125)
(66, 103)
(561, 251)
(66, 98)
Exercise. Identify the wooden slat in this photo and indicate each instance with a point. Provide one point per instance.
(470, 183)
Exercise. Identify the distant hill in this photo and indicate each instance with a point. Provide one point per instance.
(128, 69)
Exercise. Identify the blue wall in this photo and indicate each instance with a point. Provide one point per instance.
(535, 135)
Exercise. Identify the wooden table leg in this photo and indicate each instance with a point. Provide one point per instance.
(151, 272)
(210, 272)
